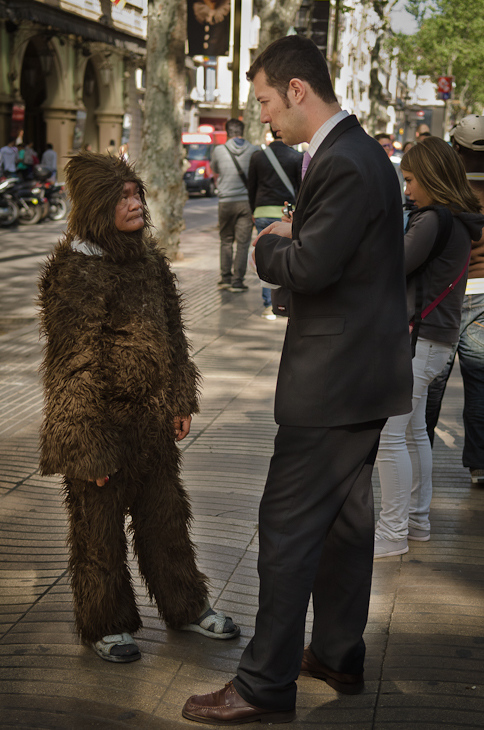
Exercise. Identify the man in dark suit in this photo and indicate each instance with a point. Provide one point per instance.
(345, 368)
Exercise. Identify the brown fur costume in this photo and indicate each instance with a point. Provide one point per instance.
(116, 372)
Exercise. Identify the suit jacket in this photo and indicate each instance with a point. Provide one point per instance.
(346, 356)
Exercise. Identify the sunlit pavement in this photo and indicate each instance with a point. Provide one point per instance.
(425, 636)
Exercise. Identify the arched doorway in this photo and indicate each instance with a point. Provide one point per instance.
(37, 63)
(90, 99)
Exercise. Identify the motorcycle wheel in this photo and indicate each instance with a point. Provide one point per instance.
(11, 215)
(31, 216)
(58, 208)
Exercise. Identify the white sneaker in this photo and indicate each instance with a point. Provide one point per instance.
(477, 476)
(420, 535)
(387, 548)
(268, 314)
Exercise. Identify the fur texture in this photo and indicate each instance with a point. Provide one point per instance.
(116, 372)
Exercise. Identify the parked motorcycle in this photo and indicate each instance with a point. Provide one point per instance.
(30, 199)
(54, 192)
(9, 210)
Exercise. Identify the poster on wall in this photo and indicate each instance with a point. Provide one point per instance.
(208, 27)
(18, 119)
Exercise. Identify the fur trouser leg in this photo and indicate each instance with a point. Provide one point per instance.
(104, 600)
(160, 521)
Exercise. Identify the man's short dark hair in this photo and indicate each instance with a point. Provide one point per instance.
(49, 146)
(383, 135)
(234, 128)
(294, 57)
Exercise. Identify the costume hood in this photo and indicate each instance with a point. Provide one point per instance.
(95, 184)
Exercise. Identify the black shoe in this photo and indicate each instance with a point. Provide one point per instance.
(238, 286)
(223, 284)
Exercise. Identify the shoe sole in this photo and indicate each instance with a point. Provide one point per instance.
(343, 687)
(236, 291)
(419, 539)
(211, 634)
(118, 659)
(264, 717)
(391, 554)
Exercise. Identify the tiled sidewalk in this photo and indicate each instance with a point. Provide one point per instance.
(425, 666)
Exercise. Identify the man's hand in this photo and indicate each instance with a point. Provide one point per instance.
(182, 426)
(279, 228)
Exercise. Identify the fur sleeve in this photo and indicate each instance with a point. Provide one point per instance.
(76, 439)
(185, 377)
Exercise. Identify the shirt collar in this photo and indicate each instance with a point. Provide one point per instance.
(324, 130)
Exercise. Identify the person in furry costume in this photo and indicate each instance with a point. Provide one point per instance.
(120, 389)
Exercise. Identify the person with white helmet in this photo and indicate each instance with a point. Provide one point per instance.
(468, 140)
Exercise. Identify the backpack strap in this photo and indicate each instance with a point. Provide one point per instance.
(280, 171)
(242, 174)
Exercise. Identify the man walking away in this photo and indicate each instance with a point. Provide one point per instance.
(230, 162)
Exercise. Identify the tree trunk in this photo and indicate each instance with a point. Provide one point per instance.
(161, 153)
(276, 17)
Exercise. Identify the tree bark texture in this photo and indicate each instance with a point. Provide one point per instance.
(161, 153)
(276, 17)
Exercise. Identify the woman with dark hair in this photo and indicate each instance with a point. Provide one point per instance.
(437, 249)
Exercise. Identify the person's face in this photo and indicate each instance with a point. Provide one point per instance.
(282, 115)
(129, 211)
(387, 145)
(414, 191)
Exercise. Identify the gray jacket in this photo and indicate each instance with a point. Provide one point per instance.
(442, 324)
(230, 185)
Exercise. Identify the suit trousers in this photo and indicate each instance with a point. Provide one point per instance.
(316, 532)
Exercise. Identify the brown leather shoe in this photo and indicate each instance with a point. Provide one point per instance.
(226, 707)
(347, 684)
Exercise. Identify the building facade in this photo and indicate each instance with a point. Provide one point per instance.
(68, 73)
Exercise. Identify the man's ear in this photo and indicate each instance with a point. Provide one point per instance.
(297, 90)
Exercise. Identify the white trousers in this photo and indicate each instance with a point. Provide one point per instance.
(405, 456)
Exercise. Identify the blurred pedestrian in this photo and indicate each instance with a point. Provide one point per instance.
(230, 164)
(49, 160)
(30, 159)
(21, 165)
(407, 145)
(345, 367)
(437, 251)
(112, 148)
(120, 391)
(274, 179)
(8, 158)
(387, 143)
(422, 131)
(468, 140)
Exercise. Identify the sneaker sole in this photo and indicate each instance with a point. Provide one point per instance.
(211, 634)
(419, 539)
(117, 659)
(391, 554)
